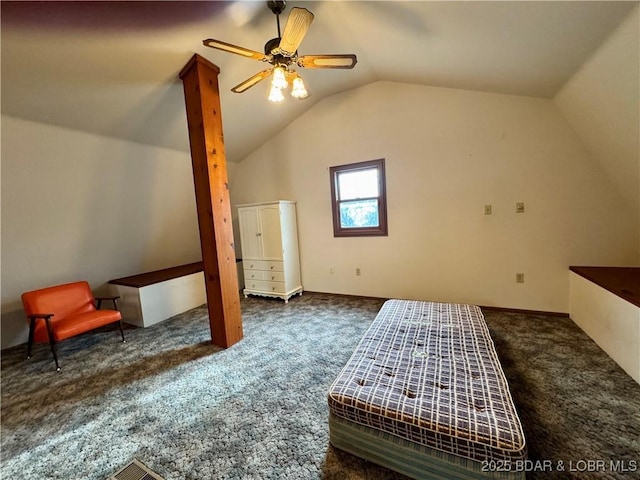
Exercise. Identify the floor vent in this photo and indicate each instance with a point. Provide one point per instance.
(136, 470)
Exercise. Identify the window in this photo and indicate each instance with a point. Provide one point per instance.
(358, 199)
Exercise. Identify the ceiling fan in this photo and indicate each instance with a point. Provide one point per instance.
(282, 53)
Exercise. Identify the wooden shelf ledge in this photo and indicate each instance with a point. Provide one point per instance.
(158, 276)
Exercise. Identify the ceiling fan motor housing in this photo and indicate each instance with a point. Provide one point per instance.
(277, 58)
(271, 45)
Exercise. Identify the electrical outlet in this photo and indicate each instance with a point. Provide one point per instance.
(520, 207)
(331, 270)
(487, 209)
(519, 277)
(358, 272)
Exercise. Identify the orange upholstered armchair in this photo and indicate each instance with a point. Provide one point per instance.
(64, 311)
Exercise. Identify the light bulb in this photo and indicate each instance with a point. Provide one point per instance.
(298, 89)
(279, 80)
(275, 94)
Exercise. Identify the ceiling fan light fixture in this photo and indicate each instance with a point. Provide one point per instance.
(279, 78)
(298, 89)
(275, 94)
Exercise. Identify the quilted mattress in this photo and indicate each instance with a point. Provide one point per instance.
(428, 373)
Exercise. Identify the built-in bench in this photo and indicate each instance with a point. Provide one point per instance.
(151, 297)
(605, 303)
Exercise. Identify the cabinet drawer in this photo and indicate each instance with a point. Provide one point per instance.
(250, 275)
(263, 265)
(271, 276)
(265, 286)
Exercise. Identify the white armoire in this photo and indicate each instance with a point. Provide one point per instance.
(270, 256)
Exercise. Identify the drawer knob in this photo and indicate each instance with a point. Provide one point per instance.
(271, 267)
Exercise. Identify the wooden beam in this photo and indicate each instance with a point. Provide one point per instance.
(202, 98)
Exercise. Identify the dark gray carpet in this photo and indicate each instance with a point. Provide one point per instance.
(575, 403)
(258, 410)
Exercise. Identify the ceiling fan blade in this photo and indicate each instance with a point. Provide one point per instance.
(328, 61)
(295, 30)
(251, 81)
(227, 47)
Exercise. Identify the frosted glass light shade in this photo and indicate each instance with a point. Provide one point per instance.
(279, 79)
(275, 94)
(298, 89)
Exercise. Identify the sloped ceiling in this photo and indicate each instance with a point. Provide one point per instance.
(111, 68)
(602, 103)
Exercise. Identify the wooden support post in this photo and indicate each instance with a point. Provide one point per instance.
(202, 98)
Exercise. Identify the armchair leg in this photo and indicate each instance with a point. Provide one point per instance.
(115, 307)
(32, 327)
(52, 342)
(121, 331)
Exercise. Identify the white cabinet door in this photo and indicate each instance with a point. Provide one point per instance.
(250, 234)
(271, 231)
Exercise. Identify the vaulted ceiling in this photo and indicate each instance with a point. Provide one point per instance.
(111, 68)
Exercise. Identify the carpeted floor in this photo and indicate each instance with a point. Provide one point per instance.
(258, 410)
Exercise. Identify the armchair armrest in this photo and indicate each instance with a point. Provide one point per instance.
(114, 299)
(34, 316)
(32, 324)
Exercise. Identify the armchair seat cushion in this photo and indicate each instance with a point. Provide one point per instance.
(77, 324)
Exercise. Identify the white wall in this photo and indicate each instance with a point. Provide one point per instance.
(448, 153)
(602, 103)
(79, 206)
